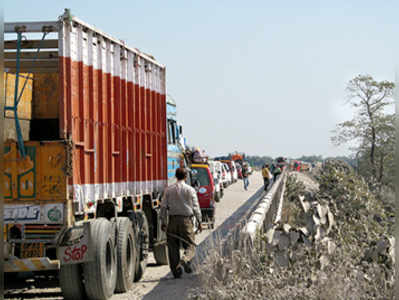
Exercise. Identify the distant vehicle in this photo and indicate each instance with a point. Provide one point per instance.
(237, 157)
(226, 175)
(232, 169)
(234, 172)
(202, 180)
(281, 162)
(305, 167)
(216, 171)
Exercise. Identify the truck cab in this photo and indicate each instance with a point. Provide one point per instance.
(175, 140)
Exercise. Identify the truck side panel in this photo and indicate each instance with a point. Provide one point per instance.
(40, 176)
(113, 107)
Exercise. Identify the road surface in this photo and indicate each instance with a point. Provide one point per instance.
(158, 282)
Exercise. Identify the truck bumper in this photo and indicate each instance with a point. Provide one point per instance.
(30, 264)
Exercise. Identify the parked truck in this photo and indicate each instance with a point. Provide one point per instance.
(84, 176)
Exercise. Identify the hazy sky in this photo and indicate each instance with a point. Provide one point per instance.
(263, 77)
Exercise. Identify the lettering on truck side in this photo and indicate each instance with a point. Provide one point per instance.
(75, 253)
(21, 213)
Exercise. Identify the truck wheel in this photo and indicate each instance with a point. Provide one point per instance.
(71, 282)
(126, 254)
(161, 254)
(143, 237)
(100, 274)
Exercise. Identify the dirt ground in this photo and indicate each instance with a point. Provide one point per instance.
(158, 282)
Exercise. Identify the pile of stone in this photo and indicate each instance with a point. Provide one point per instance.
(284, 240)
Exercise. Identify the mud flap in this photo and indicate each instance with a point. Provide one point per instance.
(76, 245)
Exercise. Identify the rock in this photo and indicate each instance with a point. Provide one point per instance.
(318, 234)
(392, 248)
(305, 204)
(269, 235)
(316, 220)
(331, 247)
(286, 228)
(284, 242)
(294, 237)
(331, 221)
(311, 226)
(276, 237)
(304, 231)
(322, 211)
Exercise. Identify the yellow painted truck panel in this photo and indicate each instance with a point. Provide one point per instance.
(25, 104)
(41, 175)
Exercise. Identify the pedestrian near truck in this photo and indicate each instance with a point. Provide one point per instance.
(179, 206)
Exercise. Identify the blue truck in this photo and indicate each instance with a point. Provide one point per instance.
(176, 142)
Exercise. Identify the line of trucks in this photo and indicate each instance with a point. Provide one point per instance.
(92, 141)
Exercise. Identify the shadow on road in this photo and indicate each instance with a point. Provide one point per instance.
(28, 286)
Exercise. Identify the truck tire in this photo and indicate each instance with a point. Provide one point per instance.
(161, 254)
(100, 274)
(126, 254)
(143, 238)
(71, 282)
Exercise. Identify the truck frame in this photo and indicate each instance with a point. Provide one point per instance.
(86, 171)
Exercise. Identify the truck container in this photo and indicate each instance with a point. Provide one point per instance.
(83, 185)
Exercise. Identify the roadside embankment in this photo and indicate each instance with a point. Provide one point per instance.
(333, 241)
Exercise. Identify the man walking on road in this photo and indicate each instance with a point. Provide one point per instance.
(276, 173)
(266, 176)
(180, 203)
(245, 175)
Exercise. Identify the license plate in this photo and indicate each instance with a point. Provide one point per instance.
(32, 250)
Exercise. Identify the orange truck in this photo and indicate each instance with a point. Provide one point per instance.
(87, 163)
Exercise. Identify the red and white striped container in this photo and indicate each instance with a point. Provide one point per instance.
(113, 107)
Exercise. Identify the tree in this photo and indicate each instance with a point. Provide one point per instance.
(372, 129)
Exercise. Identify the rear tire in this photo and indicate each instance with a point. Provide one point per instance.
(126, 255)
(161, 254)
(143, 237)
(71, 282)
(101, 273)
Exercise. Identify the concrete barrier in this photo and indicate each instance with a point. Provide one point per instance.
(267, 212)
(260, 210)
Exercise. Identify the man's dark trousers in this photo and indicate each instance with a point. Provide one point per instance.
(266, 182)
(183, 227)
